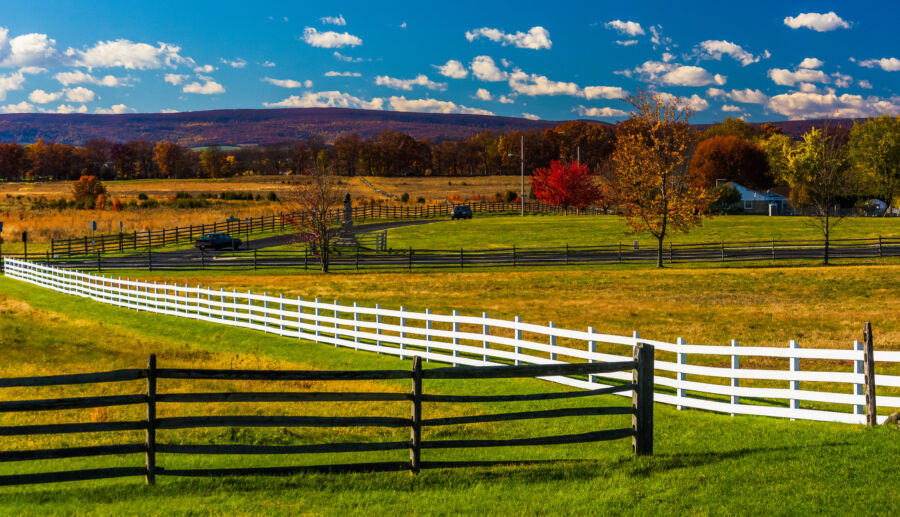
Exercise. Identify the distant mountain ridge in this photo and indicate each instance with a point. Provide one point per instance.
(268, 126)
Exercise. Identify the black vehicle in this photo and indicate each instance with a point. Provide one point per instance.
(217, 241)
(461, 212)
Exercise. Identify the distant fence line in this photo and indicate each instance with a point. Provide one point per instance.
(120, 242)
(379, 258)
(640, 389)
(687, 376)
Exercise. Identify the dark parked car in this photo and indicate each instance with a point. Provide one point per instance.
(461, 212)
(217, 241)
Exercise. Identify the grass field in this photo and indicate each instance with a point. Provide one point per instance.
(703, 463)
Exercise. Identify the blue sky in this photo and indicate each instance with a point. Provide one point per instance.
(556, 61)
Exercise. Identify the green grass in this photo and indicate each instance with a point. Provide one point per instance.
(703, 464)
(553, 230)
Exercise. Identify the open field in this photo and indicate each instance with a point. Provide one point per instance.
(703, 463)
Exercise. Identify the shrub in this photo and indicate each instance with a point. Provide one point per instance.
(455, 198)
(272, 196)
(420, 199)
(150, 203)
(88, 188)
(142, 196)
(183, 195)
(511, 196)
(405, 197)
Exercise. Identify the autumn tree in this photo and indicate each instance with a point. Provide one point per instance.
(212, 162)
(12, 161)
(731, 158)
(732, 127)
(315, 196)
(565, 184)
(88, 189)
(875, 151)
(590, 142)
(652, 178)
(169, 159)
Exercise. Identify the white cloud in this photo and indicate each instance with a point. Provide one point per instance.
(127, 54)
(42, 97)
(683, 75)
(79, 77)
(236, 63)
(205, 69)
(888, 64)
(175, 79)
(348, 59)
(483, 94)
(811, 62)
(667, 57)
(694, 102)
(329, 99)
(807, 87)
(332, 73)
(483, 68)
(117, 109)
(864, 84)
(66, 109)
(531, 116)
(600, 112)
(167, 110)
(604, 92)
(22, 107)
(79, 94)
(729, 107)
(533, 84)
(403, 25)
(656, 36)
(503, 99)
(32, 49)
(802, 105)
(627, 43)
(330, 39)
(746, 96)
(817, 21)
(10, 82)
(536, 38)
(207, 88)
(334, 20)
(842, 80)
(433, 106)
(288, 83)
(630, 28)
(715, 49)
(269, 64)
(452, 69)
(784, 77)
(407, 84)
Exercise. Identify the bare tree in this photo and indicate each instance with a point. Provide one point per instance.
(314, 200)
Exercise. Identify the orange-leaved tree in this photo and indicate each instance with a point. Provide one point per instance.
(87, 188)
(565, 184)
(652, 179)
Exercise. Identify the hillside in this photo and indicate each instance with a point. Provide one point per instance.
(267, 126)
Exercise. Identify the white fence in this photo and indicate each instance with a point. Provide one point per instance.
(472, 340)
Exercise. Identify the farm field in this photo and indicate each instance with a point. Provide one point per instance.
(703, 463)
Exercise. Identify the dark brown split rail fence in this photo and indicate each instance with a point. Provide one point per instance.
(641, 410)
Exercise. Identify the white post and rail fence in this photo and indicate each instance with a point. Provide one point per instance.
(823, 384)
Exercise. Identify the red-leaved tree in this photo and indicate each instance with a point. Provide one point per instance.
(565, 184)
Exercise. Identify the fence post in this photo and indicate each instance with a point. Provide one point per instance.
(514, 255)
(869, 373)
(682, 359)
(773, 248)
(642, 400)
(266, 310)
(860, 387)
(428, 326)
(552, 342)
(222, 301)
(415, 431)
(456, 340)
(592, 348)
(281, 308)
(378, 321)
(337, 327)
(485, 331)
(356, 327)
(518, 338)
(317, 312)
(461, 265)
(795, 367)
(402, 334)
(735, 382)
(150, 456)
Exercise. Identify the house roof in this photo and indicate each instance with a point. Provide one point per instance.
(748, 194)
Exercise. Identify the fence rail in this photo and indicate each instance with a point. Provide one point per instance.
(687, 376)
(121, 242)
(641, 409)
(376, 257)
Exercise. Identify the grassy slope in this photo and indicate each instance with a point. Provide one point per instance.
(704, 463)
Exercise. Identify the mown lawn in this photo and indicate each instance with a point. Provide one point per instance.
(704, 463)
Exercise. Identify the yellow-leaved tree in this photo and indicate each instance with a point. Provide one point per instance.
(651, 159)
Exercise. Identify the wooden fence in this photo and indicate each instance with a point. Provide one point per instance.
(120, 242)
(687, 376)
(641, 410)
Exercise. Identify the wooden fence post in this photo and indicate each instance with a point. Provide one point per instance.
(415, 432)
(552, 342)
(592, 348)
(378, 321)
(151, 420)
(795, 367)
(518, 334)
(869, 373)
(682, 359)
(485, 331)
(642, 400)
(735, 382)
(402, 334)
(456, 340)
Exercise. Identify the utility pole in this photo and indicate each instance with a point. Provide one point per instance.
(578, 155)
(522, 162)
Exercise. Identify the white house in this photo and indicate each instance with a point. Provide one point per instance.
(754, 202)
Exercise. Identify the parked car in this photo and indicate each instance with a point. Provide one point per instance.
(217, 241)
(461, 212)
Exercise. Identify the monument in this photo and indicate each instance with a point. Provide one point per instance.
(346, 236)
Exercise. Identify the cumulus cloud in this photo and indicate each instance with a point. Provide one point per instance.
(334, 20)
(536, 38)
(117, 109)
(630, 28)
(168, 110)
(22, 107)
(729, 107)
(864, 84)
(484, 68)
(267, 64)
(784, 77)
(407, 84)
(746, 96)
(328, 99)
(811, 62)
(433, 106)
(503, 99)
(348, 59)
(656, 36)
(66, 109)
(674, 74)
(627, 43)
(803, 105)
(599, 112)
(842, 80)
(715, 49)
(205, 69)
(483, 94)
(175, 79)
(42, 97)
(234, 63)
(332, 73)
(79, 94)
(10, 82)
(79, 77)
(888, 64)
(288, 83)
(209, 87)
(817, 21)
(330, 39)
(32, 49)
(533, 84)
(127, 54)
(694, 102)
(452, 69)
(604, 92)
(531, 116)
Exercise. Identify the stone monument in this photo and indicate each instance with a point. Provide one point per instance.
(347, 235)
